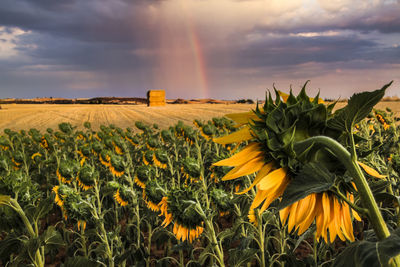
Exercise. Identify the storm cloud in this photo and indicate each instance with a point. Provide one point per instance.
(196, 48)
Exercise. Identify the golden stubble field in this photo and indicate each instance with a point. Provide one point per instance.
(43, 116)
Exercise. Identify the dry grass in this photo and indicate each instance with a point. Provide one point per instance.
(43, 116)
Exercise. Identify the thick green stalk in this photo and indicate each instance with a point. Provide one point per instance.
(363, 188)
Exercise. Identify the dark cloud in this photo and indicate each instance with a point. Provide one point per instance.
(106, 39)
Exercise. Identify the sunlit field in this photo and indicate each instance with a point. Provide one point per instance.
(43, 116)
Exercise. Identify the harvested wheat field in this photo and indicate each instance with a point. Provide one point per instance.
(43, 116)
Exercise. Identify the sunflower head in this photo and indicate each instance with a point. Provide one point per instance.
(148, 157)
(300, 174)
(279, 125)
(66, 128)
(61, 192)
(86, 177)
(198, 123)
(141, 126)
(97, 147)
(208, 131)
(134, 140)
(153, 194)
(67, 171)
(152, 143)
(191, 168)
(4, 143)
(143, 174)
(76, 207)
(160, 158)
(118, 147)
(167, 136)
(124, 195)
(17, 158)
(221, 199)
(116, 166)
(188, 223)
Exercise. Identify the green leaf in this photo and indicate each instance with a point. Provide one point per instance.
(79, 261)
(370, 254)
(52, 237)
(43, 208)
(313, 178)
(358, 107)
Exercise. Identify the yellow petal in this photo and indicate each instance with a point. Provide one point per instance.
(275, 193)
(244, 134)
(243, 117)
(260, 196)
(272, 179)
(303, 209)
(249, 152)
(283, 95)
(283, 214)
(346, 224)
(370, 170)
(326, 210)
(261, 174)
(310, 217)
(247, 168)
(292, 216)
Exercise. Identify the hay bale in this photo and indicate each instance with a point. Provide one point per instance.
(156, 98)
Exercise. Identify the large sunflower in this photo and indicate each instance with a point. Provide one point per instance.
(271, 133)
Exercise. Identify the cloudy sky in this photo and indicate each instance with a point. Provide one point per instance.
(226, 49)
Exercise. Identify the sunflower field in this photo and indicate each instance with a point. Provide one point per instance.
(291, 183)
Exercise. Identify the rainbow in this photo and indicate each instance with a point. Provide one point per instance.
(197, 51)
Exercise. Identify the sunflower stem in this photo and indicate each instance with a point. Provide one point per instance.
(363, 188)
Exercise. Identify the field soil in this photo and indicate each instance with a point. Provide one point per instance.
(42, 116)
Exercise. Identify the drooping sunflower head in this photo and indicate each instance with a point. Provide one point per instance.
(67, 171)
(153, 194)
(208, 131)
(198, 123)
(4, 143)
(44, 141)
(105, 157)
(148, 157)
(191, 169)
(134, 140)
(86, 177)
(61, 192)
(80, 136)
(17, 159)
(276, 133)
(279, 125)
(118, 146)
(76, 207)
(166, 136)
(188, 223)
(152, 143)
(141, 126)
(124, 195)
(66, 128)
(383, 119)
(143, 174)
(222, 200)
(116, 166)
(160, 158)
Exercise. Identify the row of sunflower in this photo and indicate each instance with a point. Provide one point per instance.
(162, 197)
